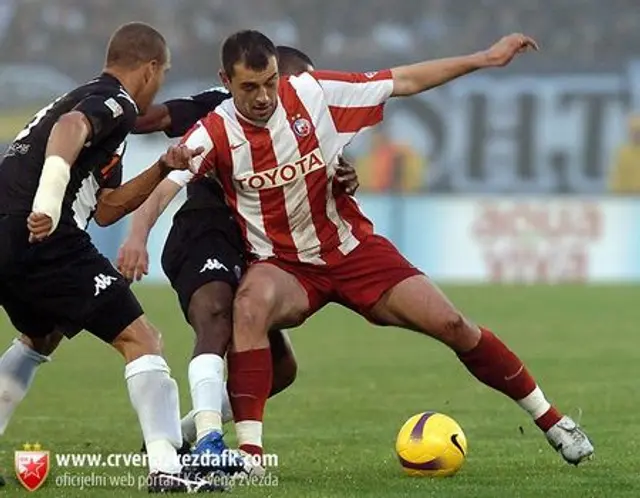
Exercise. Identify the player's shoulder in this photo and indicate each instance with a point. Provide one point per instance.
(296, 83)
(214, 94)
(108, 91)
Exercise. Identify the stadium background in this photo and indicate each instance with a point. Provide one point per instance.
(557, 126)
(529, 174)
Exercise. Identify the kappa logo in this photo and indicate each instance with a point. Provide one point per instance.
(32, 466)
(283, 174)
(213, 264)
(102, 282)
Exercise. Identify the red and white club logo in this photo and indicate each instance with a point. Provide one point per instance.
(302, 127)
(32, 466)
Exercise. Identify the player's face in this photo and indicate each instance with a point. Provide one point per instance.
(255, 93)
(154, 74)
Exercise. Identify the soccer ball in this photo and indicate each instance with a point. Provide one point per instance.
(431, 445)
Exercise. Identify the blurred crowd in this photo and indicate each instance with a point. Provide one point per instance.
(70, 34)
(69, 37)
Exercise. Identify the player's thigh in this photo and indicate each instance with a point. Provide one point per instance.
(273, 295)
(418, 304)
(366, 274)
(38, 331)
(83, 291)
(36, 326)
(204, 271)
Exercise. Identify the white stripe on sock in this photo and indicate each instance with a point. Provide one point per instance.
(249, 432)
(535, 403)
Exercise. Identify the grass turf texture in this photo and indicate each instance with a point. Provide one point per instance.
(334, 430)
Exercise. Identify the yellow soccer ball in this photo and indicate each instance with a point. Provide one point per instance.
(431, 445)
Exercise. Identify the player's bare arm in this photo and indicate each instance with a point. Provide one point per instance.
(66, 140)
(416, 78)
(157, 118)
(127, 198)
(133, 258)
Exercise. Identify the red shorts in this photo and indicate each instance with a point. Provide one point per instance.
(358, 280)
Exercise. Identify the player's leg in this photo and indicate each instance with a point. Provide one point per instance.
(204, 269)
(209, 313)
(92, 295)
(268, 297)
(18, 367)
(152, 391)
(414, 302)
(285, 369)
(285, 365)
(20, 362)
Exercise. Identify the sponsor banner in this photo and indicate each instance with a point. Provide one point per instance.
(504, 239)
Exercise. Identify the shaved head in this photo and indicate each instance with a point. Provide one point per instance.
(134, 44)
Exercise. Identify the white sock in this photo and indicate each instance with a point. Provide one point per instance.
(227, 412)
(206, 378)
(188, 427)
(154, 395)
(18, 367)
(535, 403)
(188, 423)
(249, 432)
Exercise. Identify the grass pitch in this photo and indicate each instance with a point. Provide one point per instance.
(334, 429)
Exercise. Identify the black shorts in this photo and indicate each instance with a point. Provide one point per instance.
(202, 247)
(61, 282)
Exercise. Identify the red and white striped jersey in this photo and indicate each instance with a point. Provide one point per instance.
(278, 177)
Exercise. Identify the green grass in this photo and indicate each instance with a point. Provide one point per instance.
(334, 430)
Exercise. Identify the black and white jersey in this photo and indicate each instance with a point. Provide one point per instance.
(188, 111)
(204, 193)
(112, 114)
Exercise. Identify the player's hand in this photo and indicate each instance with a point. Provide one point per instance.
(346, 176)
(133, 259)
(39, 226)
(503, 52)
(179, 156)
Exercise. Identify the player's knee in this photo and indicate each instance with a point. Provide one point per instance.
(45, 345)
(210, 317)
(210, 310)
(140, 338)
(251, 311)
(457, 332)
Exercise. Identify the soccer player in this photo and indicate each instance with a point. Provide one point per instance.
(204, 259)
(61, 170)
(273, 148)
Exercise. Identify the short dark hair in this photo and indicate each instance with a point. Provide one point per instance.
(136, 43)
(250, 47)
(291, 60)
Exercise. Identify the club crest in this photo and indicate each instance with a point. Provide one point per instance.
(32, 466)
(302, 127)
